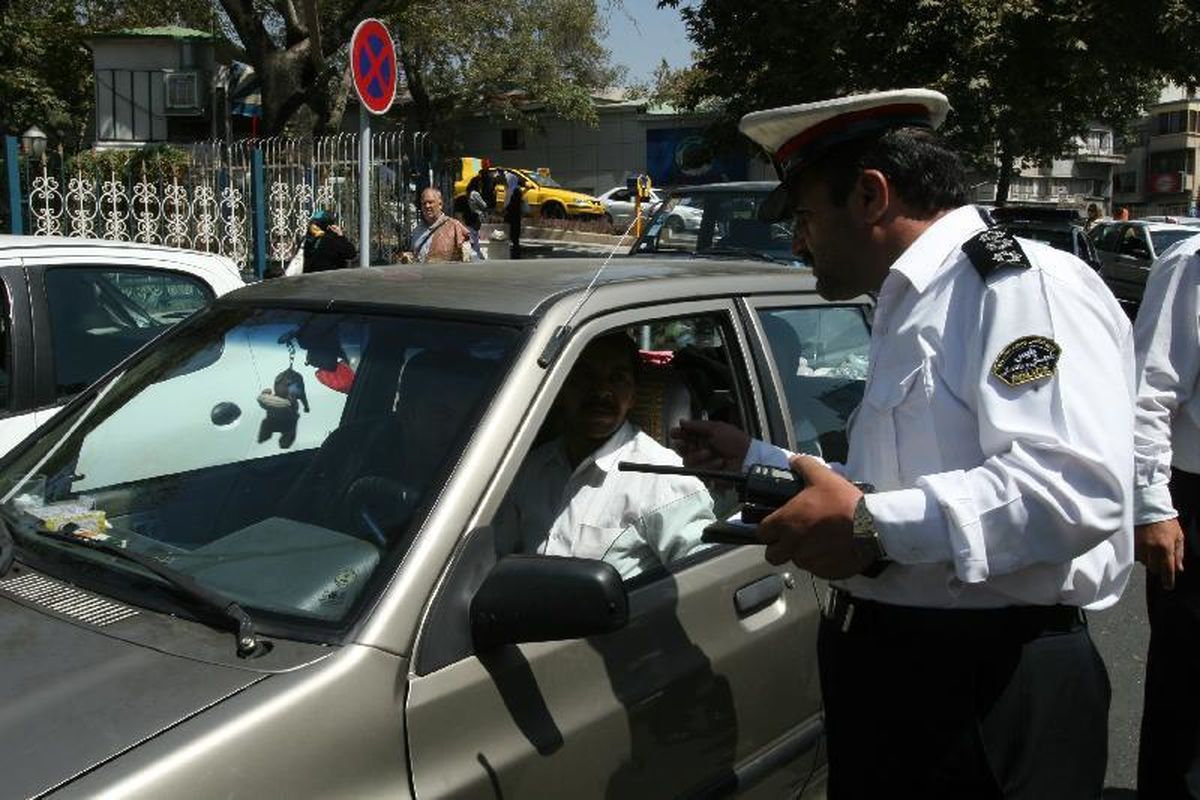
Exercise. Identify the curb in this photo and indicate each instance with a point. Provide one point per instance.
(561, 235)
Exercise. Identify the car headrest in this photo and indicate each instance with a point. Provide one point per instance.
(662, 400)
(442, 381)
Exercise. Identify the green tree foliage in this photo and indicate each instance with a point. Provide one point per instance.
(1024, 77)
(499, 56)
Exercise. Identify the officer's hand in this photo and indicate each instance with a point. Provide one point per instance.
(815, 528)
(707, 444)
(1159, 546)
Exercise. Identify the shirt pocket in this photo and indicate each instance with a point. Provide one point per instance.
(594, 541)
(898, 438)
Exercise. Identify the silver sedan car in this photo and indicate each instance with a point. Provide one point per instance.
(261, 557)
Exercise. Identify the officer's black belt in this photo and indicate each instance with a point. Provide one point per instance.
(849, 613)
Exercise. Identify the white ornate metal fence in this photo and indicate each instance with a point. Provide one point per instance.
(208, 202)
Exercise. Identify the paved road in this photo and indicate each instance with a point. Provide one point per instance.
(1121, 635)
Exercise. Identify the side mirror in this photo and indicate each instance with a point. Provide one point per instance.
(547, 598)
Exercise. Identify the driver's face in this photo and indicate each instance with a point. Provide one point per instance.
(597, 396)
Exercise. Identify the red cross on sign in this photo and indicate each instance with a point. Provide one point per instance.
(373, 65)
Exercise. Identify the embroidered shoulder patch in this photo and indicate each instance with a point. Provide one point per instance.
(994, 249)
(1028, 359)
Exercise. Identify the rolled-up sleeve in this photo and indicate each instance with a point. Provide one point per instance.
(1167, 340)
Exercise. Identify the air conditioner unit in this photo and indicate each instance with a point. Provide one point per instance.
(183, 93)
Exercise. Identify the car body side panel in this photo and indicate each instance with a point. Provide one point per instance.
(331, 729)
(671, 705)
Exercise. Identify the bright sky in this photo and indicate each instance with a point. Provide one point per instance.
(642, 34)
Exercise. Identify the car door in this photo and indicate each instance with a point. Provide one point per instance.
(711, 687)
(1131, 263)
(18, 412)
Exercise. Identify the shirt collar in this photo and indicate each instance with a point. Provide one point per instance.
(606, 456)
(925, 256)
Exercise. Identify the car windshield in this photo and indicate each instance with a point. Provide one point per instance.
(1165, 238)
(544, 180)
(280, 457)
(716, 224)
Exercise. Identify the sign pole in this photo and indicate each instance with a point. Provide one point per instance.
(375, 72)
(364, 187)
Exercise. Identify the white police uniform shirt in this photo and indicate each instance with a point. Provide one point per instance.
(987, 494)
(1167, 337)
(632, 520)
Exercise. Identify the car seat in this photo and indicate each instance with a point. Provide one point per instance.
(662, 399)
(746, 234)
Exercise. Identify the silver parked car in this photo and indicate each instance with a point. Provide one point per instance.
(259, 558)
(1127, 249)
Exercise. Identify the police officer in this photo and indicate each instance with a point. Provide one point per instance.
(1167, 516)
(996, 437)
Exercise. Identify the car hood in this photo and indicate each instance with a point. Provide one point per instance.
(74, 697)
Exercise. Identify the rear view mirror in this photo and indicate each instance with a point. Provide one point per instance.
(547, 598)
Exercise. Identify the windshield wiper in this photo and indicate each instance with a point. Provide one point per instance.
(247, 636)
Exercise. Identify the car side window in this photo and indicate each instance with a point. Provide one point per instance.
(820, 353)
(626, 391)
(99, 315)
(620, 196)
(1132, 244)
(1108, 237)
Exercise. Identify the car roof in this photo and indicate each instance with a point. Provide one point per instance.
(1159, 226)
(526, 288)
(730, 186)
(217, 270)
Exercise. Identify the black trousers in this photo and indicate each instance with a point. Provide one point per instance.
(514, 231)
(1169, 753)
(1005, 703)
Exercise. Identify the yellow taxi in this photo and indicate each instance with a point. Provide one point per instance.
(543, 196)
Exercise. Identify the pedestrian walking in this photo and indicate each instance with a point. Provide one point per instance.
(993, 459)
(514, 202)
(1167, 519)
(438, 237)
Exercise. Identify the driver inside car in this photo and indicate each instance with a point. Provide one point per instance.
(569, 498)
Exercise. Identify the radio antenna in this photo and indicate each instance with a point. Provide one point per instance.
(554, 346)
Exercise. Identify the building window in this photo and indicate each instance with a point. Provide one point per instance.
(1170, 161)
(1172, 122)
(512, 138)
(1194, 121)
(1125, 182)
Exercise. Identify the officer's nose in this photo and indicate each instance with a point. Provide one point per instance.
(799, 242)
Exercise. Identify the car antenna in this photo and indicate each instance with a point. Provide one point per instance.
(561, 333)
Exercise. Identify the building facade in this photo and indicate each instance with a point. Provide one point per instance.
(1073, 181)
(1159, 175)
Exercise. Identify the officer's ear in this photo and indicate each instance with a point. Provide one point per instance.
(872, 195)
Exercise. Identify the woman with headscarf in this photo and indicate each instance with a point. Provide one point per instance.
(325, 247)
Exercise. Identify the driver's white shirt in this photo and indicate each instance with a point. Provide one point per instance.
(990, 495)
(631, 520)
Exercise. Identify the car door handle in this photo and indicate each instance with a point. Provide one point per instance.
(758, 595)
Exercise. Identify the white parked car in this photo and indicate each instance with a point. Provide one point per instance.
(619, 205)
(73, 308)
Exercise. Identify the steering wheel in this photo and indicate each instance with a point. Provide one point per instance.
(379, 507)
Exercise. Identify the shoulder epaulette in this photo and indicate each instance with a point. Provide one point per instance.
(994, 249)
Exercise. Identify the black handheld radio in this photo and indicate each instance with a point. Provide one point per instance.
(761, 489)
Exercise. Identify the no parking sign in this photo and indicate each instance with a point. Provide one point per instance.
(373, 65)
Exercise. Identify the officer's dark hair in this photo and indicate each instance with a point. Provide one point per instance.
(926, 175)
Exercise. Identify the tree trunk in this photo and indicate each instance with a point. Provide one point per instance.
(1004, 171)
